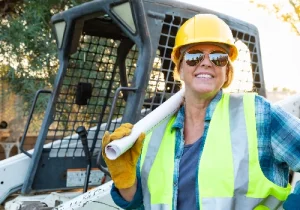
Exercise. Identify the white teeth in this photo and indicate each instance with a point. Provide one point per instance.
(204, 76)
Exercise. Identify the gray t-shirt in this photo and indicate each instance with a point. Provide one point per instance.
(188, 176)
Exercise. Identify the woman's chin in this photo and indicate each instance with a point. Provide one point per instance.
(205, 89)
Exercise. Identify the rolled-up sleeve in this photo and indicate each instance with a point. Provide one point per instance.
(137, 201)
(297, 188)
(292, 202)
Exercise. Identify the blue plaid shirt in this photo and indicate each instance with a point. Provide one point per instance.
(278, 145)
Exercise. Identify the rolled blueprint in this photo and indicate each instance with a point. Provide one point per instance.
(117, 147)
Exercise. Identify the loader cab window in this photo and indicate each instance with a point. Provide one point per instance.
(162, 84)
(247, 73)
(156, 89)
(102, 59)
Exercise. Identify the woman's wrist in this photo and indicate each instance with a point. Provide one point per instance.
(128, 193)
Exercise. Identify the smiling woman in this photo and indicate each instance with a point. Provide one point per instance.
(275, 35)
(213, 132)
(202, 75)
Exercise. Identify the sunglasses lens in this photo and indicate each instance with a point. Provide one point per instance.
(219, 59)
(193, 58)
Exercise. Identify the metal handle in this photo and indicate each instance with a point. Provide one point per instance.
(100, 160)
(82, 133)
(29, 119)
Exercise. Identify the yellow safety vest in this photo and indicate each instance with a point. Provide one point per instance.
(230, 177)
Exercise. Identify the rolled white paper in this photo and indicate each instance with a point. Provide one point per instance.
(116, 148)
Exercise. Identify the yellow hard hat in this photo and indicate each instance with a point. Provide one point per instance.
(204, 28)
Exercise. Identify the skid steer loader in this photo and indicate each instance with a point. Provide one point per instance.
(115, 67)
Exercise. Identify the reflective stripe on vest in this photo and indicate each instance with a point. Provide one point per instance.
(153, 148)
(229, 175)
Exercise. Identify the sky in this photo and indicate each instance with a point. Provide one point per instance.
(276, 41)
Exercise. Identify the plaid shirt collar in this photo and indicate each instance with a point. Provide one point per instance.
(208, 115)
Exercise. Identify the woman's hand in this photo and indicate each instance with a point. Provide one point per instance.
(123, 169)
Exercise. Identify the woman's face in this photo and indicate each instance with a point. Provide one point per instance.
(205, 77)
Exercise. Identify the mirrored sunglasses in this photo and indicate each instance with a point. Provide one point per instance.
(193, 57)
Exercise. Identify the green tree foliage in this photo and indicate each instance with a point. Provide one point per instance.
(287, 11)
(28, 54)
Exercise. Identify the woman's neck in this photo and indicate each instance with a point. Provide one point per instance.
(195, 111)
(195, 108)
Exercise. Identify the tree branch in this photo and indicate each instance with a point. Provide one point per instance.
(298, 15)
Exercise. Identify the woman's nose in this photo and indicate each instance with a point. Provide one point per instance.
(206, 62)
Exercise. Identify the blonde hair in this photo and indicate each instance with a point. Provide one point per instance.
(229, 73)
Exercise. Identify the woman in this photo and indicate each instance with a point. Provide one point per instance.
(220, 151)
